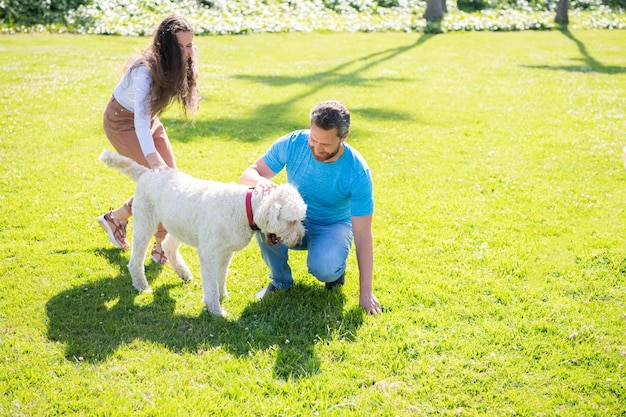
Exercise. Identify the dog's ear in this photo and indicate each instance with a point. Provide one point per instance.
(273, 216)
(293, 207)
(265, 217)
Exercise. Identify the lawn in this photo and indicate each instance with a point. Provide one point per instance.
(500, 257)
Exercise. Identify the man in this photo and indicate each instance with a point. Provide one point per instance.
(336, 184)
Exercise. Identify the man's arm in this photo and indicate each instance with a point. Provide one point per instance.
(363, 241)
(255, 173)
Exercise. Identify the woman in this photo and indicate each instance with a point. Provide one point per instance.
(162, 73)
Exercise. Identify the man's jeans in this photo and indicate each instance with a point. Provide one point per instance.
(328, 247)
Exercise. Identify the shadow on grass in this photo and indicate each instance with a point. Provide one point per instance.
(96, 319)
(278, 118)
(587, 62)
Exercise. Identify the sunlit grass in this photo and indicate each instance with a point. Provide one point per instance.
(499, 224)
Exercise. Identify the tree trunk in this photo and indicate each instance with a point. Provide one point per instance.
(561, 12)
(435, 9)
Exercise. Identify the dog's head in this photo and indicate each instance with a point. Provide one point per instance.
(281, 212)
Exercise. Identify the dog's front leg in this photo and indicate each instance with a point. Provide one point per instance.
(210, 265)
(222, 273)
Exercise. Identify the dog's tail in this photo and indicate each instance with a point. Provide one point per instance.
(123, 164)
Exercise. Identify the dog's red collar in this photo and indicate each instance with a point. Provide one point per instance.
(253, 225)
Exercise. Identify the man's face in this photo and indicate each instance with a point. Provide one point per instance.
(325, 144)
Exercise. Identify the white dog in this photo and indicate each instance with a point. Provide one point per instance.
(214, 217)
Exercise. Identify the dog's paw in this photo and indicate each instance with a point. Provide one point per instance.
(143, 288)
(182, 271)
(216, 311)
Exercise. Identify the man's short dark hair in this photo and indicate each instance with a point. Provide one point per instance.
(331, 114)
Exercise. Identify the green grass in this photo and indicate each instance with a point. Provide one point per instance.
(499, 232)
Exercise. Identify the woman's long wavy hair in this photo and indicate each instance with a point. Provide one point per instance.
(173, 77)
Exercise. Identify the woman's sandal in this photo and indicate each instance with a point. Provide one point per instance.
(158, 255)
(116, 229)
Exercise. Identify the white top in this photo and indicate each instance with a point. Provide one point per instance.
(133, 93)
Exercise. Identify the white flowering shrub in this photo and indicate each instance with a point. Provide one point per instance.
(221, 17)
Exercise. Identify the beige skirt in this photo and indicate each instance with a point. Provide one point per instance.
(119, 127)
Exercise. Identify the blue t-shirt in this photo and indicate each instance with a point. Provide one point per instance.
(333, 191)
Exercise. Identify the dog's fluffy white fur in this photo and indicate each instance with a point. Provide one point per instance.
(208, 215)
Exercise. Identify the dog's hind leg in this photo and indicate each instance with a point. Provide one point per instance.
(210, 264)
(170, 246)
(143, 229)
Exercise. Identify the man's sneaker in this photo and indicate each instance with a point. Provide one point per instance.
(336, 283)
(265, 291)
(116, 229)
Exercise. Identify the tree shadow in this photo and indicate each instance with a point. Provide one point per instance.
(277, 118)
(94, 320)
(587, 62)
